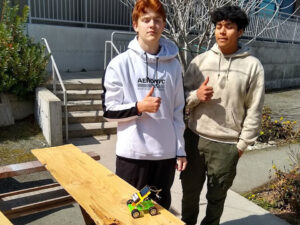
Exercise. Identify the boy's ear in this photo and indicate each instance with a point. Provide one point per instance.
(240, 32)
(135, 27)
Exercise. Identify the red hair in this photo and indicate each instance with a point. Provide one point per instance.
(141, 5)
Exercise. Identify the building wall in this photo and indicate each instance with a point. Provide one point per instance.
(76, 49)
(297, 5)
(281, 62)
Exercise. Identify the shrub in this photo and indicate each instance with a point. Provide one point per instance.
(276, 130)
(286, 188)
(23, 63)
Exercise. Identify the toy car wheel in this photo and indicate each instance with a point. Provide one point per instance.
(153, 211)
(130, 201)
(135, 213)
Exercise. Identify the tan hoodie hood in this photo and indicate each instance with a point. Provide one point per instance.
(233, 114)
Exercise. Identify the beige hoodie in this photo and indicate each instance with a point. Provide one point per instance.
(233, 115)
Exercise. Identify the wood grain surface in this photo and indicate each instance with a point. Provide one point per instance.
(101, 193)
(4, 220)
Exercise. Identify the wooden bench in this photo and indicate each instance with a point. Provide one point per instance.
(4, 220)
(35, 199)
(101, 194)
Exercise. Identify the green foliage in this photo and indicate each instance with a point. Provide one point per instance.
(22, 64)
(259, 200)
(277, 130)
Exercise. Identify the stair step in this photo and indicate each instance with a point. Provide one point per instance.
(81, 94)
(77, 86)
(85, 117)
(84, 105)
(92, 129)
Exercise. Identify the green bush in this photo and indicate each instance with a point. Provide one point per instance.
(23, 62)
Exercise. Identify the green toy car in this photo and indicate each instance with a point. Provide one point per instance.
(140, 202)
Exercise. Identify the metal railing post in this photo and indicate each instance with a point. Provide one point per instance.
(29, 15)
(53, 78)
(256, 27)
(276, 37)
(295, 30)
(85, 13)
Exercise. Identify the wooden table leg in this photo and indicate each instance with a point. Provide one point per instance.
(87, 219)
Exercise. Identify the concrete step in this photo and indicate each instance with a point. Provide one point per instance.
(84, 105)
(77, 85)
(81, 94)
(85, 117)
(92, 129)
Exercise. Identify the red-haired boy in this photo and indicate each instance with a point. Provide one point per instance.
(143, 92)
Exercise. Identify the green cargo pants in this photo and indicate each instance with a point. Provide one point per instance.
(218, 162)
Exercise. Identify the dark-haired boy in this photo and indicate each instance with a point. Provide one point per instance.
(225, 90)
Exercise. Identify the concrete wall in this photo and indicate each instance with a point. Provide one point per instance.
(281, 62)
(49, 116)
(255, 167)
(11, 109)
(73, 48)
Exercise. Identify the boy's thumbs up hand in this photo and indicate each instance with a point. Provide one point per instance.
(204, 92)
(150, 92)
(149, 103)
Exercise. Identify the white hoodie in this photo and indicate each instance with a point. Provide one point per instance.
(128, 78)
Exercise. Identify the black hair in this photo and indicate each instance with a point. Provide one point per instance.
(232, 13)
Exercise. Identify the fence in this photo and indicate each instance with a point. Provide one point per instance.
(108, 13)
(115, 15)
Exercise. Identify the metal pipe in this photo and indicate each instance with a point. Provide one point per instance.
(54, 68)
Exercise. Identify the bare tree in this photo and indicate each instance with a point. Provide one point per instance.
(190, 27)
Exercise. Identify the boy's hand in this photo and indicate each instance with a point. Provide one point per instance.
(149, 104)
(181, 163)
(204, 92)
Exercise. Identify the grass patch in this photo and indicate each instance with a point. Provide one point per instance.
(17, 140)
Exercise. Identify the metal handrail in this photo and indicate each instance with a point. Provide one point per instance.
(105, 51)
(56, 71)
(113, 47)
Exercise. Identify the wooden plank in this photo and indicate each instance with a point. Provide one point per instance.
(101, 193)
(4, 220)
(22, 191)
(29, 209)
(29, 167)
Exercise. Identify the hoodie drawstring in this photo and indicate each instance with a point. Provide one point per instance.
(228, 68)
(146, 65)
(156, 67)
(219, 66)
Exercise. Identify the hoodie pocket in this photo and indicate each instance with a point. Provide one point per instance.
(231, 121)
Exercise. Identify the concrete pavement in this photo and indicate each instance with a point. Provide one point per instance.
(238, 210)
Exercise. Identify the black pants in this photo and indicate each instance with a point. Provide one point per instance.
(157, 173)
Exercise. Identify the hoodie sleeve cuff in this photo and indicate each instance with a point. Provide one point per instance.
(241, 145)
(192, 99)
(180, 153)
